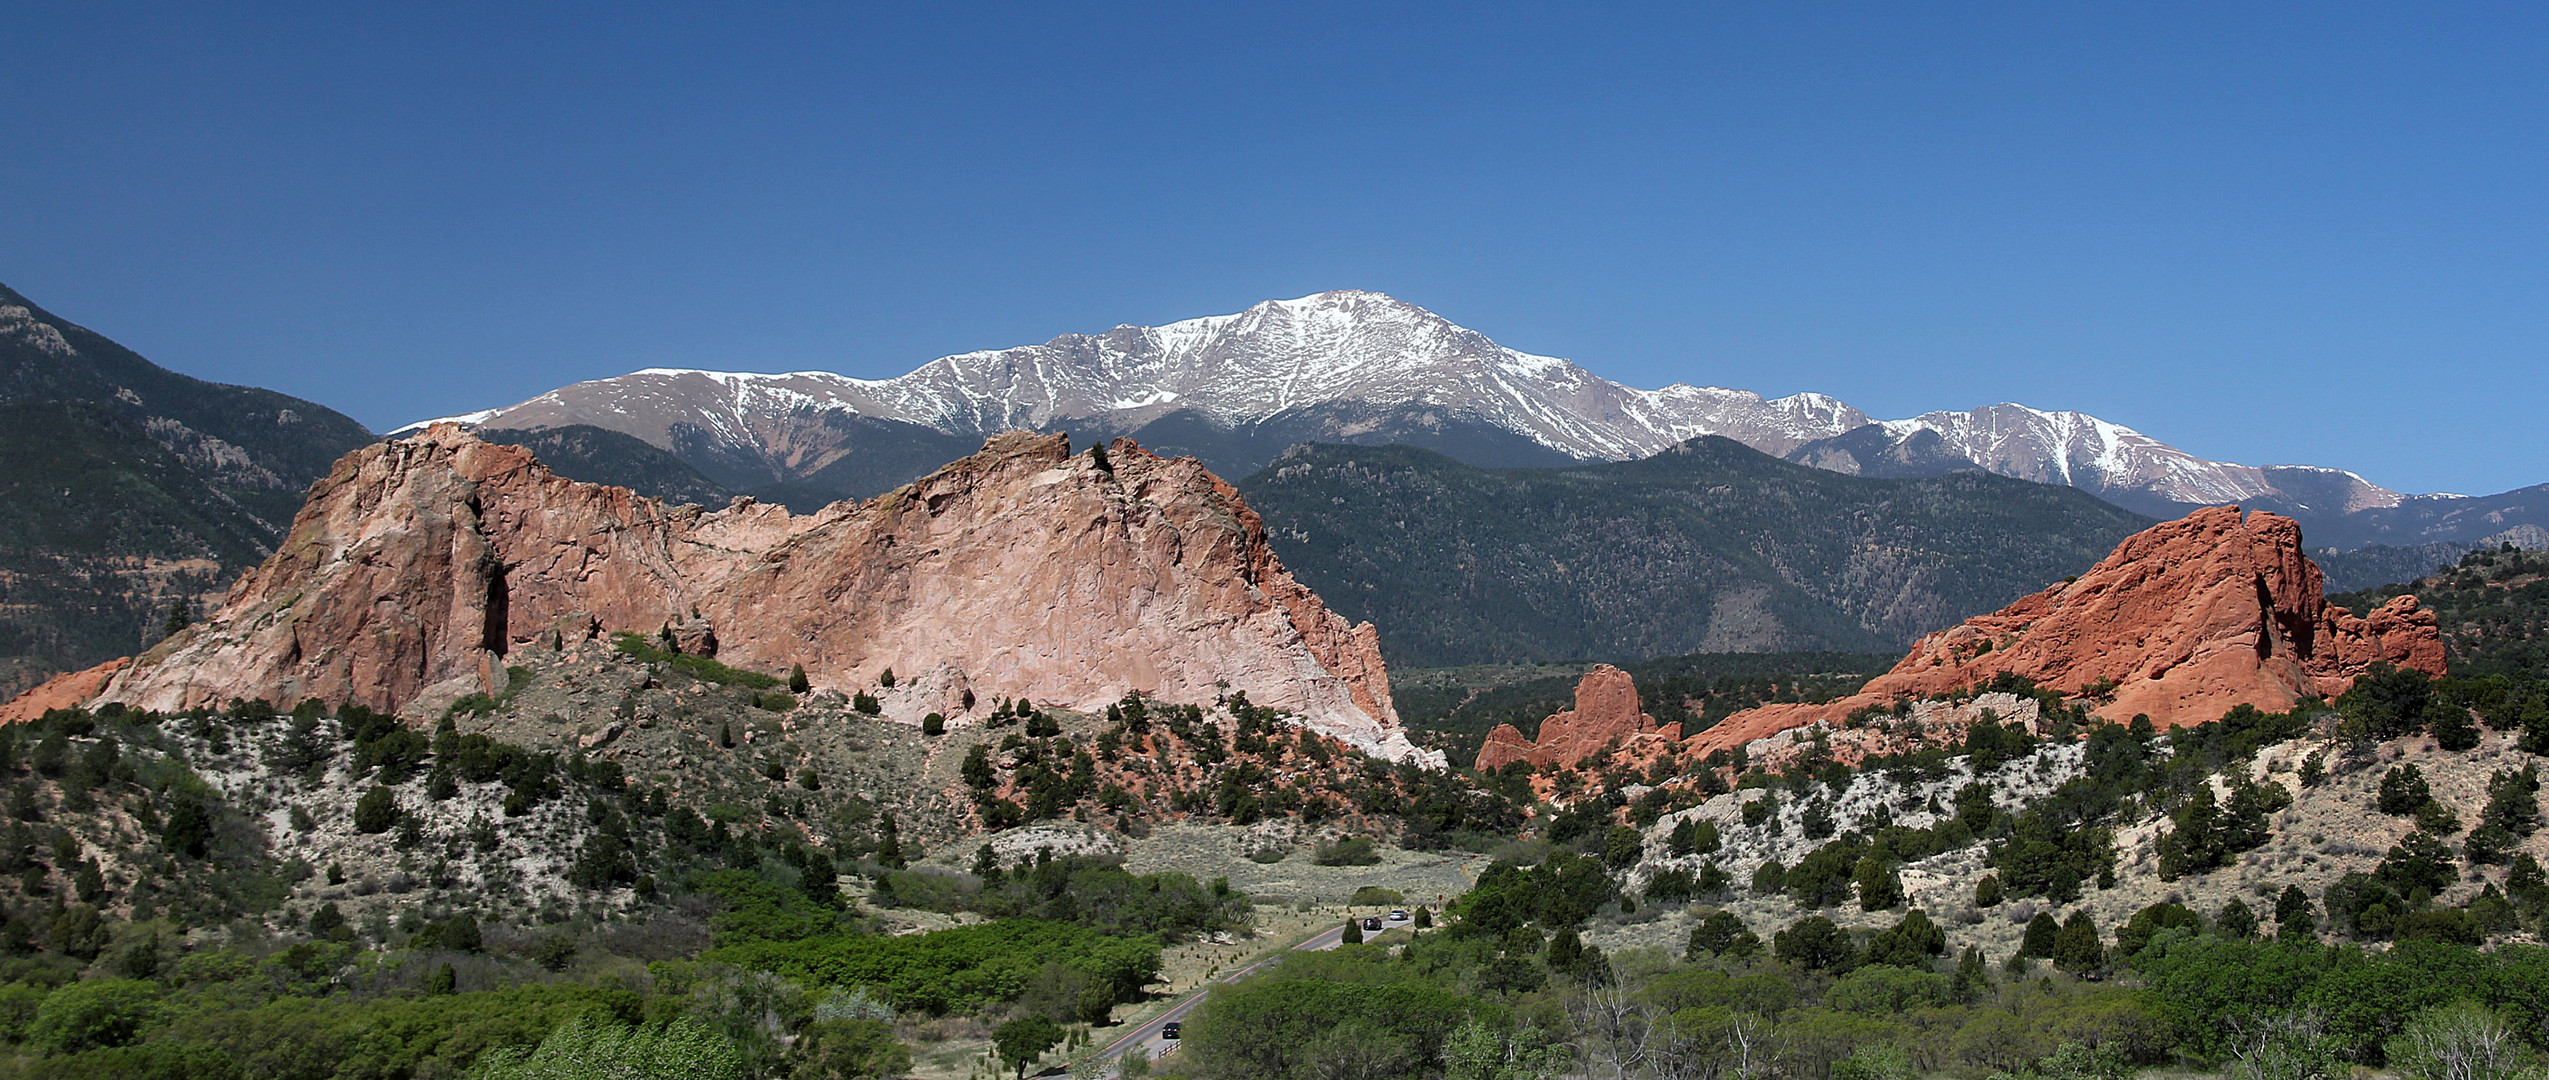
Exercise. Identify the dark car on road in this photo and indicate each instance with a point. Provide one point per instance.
(1172, 1030)
(1373, 923)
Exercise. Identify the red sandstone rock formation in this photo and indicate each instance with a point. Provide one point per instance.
(64, 691)
(2186, 618)
(1606, 710)
(419, 564)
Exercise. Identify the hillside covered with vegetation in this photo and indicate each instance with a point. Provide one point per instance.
(1453, 709)
(254, 893)
(602, 456)
(1708, 547)
(2357, 883)
(632, 854)
(2492, 607)
(127, 489)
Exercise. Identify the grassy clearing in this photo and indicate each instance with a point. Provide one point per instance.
(1210, 851)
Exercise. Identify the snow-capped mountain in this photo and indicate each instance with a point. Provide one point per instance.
(2114, 461)
(1348, 366)
(1279, 357)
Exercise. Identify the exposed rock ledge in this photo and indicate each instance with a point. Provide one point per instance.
(1607, 713)
(2183, 620)
(419, 564)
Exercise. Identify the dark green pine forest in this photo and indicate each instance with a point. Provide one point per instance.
(601, 456)
(126, 489)
(2492, 607)
(1454, 708)
(1708, 547)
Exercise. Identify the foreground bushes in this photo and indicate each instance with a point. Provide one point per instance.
(961, 969)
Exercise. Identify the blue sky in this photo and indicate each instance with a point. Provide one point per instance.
(2306, 233)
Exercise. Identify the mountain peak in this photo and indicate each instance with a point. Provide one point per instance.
(1357, 366)
(1359, 301)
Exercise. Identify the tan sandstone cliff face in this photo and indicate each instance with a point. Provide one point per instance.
(418, 565)
(1606, 709)
(2187, 618)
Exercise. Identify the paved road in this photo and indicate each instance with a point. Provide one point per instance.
(1146, 1039)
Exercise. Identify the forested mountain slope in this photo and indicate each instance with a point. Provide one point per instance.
(2492, 608)
(601, 456)
(125, 487)
(1452, 709)
(1707, 547)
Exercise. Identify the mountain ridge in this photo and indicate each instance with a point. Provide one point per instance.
(1339, 367)
(127, 488)
(1709, 547)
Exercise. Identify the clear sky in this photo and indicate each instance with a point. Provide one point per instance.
(2310, 233)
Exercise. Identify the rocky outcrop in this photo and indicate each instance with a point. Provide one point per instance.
(2183, 621)
(1024, 571)
(65, 691)
(1607, 713)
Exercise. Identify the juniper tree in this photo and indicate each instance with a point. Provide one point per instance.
(1685, 837)
(2236, 920)
(2513, 800)
(376, 811)
(2403, 789)
(1565, 948)
(1769, 879)
(889, 844)
(2040, 936)
(1972, 980)
(2525, 882)
(1814, 943)
(2450, 722)
(1715, 935)
(1817, 821)
(1879, 886)
(2295, 919)
(2076, 948)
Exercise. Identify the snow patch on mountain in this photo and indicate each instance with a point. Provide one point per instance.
(1364, 348)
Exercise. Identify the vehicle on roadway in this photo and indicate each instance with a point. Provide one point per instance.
(1373, 923)
(1399, 915)
(1172, 1030)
